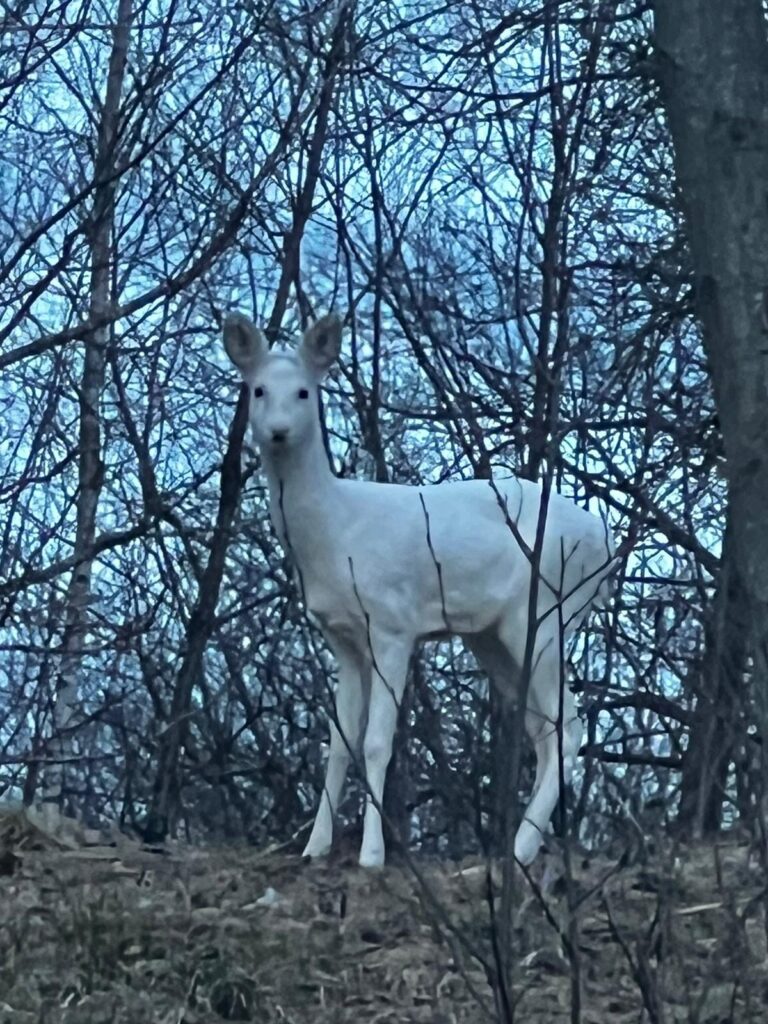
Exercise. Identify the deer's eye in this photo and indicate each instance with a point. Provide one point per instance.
(258, 392)
(303, 393)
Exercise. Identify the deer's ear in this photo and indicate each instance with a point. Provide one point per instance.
(321, 344)
(244, 343)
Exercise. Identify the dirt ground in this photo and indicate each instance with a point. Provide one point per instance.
(114, 932)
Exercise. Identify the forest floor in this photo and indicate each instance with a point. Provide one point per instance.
(91, 932)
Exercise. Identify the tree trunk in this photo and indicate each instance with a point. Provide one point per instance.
(90, 466)
(713, 69)
(715, 729)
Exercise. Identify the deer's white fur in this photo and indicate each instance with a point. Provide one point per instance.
(382, 566)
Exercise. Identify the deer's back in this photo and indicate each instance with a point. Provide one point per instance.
(450, 557)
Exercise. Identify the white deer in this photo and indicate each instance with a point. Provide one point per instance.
(382, 566)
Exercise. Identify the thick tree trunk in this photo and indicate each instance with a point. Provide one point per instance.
(712, 62)
(717, 724)
(90, 467)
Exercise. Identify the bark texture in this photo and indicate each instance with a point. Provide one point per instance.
(712, 61)
(717, 725)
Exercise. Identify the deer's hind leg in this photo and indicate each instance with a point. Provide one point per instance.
(553, 724)
(500, 657)
(495, 659)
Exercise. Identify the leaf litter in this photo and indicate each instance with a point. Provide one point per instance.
(98, 928)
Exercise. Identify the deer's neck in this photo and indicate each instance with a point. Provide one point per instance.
(301, 496)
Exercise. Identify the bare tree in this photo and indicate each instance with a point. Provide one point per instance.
(103, 272)
(713, 70)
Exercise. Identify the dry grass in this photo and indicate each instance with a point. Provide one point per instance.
(117, 933)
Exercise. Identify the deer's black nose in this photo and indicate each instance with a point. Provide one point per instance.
(278, 436)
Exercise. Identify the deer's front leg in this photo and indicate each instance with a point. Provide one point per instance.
(345, 737)
(388, 678)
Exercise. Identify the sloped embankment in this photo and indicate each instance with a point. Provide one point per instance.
(119, 933)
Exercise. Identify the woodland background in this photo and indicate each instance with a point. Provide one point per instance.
(488, 193)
